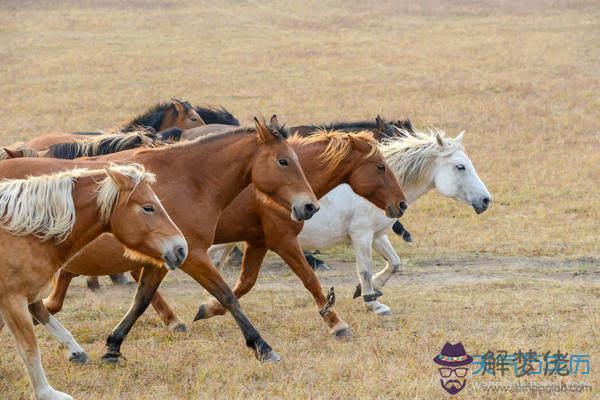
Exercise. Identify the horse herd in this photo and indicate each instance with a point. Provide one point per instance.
(87, 203)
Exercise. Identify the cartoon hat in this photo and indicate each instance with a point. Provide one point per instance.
(453, 355)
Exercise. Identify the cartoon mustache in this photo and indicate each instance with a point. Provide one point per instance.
(453, 383)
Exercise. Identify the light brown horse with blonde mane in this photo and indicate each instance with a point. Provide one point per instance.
(328, 159)
(46, 219)
(196, 181)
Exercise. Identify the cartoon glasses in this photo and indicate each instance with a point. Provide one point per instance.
(459, 372)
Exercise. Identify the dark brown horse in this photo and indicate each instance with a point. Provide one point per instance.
(176, 113)
(195, 199)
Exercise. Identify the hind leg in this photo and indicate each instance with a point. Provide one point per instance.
(74, 351)
(383, 246)
(18, 320)
(60, 285)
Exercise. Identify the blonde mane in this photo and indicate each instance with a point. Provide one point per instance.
(339, 145)
(411, 157)
(43, 205)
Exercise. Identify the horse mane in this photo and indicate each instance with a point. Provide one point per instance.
(152, 117)
(216, 115)
(104, 144)
(43, 205)
(339, 145)
(412, 155)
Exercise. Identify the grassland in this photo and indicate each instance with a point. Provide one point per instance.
(522, 78)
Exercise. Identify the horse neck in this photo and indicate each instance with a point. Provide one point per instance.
(87, 223)
(167, 121)
(321, 182)
(224, 171)
(412, 191)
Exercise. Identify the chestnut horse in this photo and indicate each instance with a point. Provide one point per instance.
(328, 159)
(177, 113)
(197, 180)
(46, 219)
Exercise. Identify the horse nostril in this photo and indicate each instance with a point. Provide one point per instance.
(486, 201)
(310, 208)
(180, 252)
(403, 206)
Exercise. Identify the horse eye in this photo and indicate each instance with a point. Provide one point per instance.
(283, 162)
(381, 167)
(460, 167)
(193, 119)
(148, 208)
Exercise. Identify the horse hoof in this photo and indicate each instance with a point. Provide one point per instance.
(385, 313)
(357, 291)
(201, 314)
(342, 331)
(269, 357)
(178, 327)
(79, 358)
(112, 357)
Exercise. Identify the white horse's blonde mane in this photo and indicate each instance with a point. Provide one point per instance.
(411, 157)
(43, 205)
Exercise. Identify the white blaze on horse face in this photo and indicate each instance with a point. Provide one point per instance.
(454, 176)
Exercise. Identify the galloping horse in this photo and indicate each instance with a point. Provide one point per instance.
(177, 113)
(197, 180)
(46, 219)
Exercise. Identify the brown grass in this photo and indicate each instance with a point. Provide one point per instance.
(520, 77)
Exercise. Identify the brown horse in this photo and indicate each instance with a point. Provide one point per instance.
(176, 113)
(381, 128)
(46, 219)
(197, 180)
(328, 159)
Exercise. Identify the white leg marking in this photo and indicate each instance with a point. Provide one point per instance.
(64, 337)
(362, 252)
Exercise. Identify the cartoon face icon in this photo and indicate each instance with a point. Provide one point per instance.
(453, 361)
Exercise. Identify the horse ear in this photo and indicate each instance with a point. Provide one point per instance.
(264, 133)
(179, 106)
(380, 123)
(13, 153)
(359, 144)
(459, 138)
(123, 181)
(439, 139)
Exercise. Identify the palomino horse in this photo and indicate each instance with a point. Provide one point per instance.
(421, 161)
(46, 219)
(177, 113)
(196, 181)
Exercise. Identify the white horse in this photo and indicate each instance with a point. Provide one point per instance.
(421, 161)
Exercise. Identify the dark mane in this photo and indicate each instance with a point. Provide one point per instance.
(153, 117)
(216, 115)
(103, 145)
(349, 126)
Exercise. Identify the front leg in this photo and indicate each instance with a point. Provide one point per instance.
(60, 285)
(199, 267)
(251, 263)
(383, 246)
(150, 279)
(362, 251)
(292, 254)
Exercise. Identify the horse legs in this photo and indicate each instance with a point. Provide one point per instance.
(60, 285)
(93, 283)
(120, 279)
(162, 308)
(75, 353)
(199, 267)
(253, 257)
(218, 253)
(16, 316)
(294, 257)
(150, 279)
(362, 250)
(383, 246)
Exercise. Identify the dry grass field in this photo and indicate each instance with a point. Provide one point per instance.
(522, 78)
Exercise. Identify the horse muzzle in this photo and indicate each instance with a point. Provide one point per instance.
(304, 211)
(396, 211)
(482, 204)
(175, 254)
